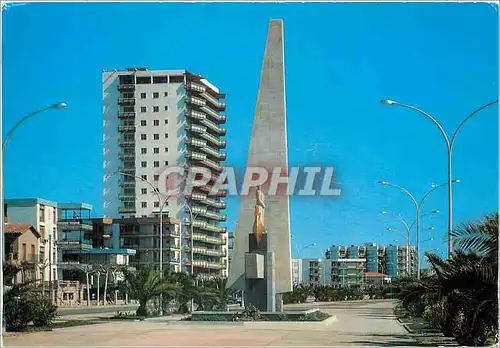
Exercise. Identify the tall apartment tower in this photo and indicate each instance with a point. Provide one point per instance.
(153, 120)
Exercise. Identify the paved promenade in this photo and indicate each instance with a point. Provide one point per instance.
(358, 323)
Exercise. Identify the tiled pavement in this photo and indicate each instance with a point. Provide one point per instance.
(358, 323)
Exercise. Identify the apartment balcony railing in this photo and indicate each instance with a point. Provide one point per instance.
(68, 265)
(214, 127)
(195, 87)
(218, 117)
(127, 184)
(126, 87)
(214, 140)
(215, 203)
(75, 224)
(208, 227)
(207, 239)
(195, 101)
(211, 164)
(127, 197)
(205, 264)
(219, 155)
(195, 155)
(74, 244)
(196, 142)
(126, 114)
(206, 251)
(197, 115)
(126, 156)
(196, 129)
(220, 105)
(126, 210)
(126, 101)
(126, 129)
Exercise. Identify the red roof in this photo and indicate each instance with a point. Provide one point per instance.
(375, 274)
(20, 228)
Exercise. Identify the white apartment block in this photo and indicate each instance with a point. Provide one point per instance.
(153, 120)
(42, 215)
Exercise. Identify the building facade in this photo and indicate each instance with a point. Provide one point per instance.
(154, 120)
(42, 215)
(22, 249)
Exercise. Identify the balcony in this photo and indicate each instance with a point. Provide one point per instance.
(196, 129)
(127, 128)
(219, 130)
(208, 227)
(195, 87)
(218, 117)
(211, 164)
(129, 170)
(218, 142)
(27, 257)
(197, 115)
(206, 251)
(126, 114)
(215, 203)
(74, 244)
(75, 225)
(197, 196)
(126, 143)
(70, 265)
(202, 211)
(195, 101)
(127, 184)
(205, 264)
(195, 156)
(219, 155)
(126, 197)
(126, 156)
(214, 101)
(124, 210)
(196, 142)
(126, 101)
(126, 87)
(207, 239)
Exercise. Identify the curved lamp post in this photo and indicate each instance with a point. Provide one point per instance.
(449, 147)
(2, 242)
(162, 205)
(418, 205)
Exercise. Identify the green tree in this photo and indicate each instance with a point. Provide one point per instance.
(146, 284)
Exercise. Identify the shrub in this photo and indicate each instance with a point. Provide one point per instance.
(17, 311)
(43, 311)
(252, 313)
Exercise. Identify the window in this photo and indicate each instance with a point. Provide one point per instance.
(156, 150)
(156, 177)
(157, 204)
(159, 79)
(54, 215)
(144, 151)
(166, 121)
(166, 135)
(144, 164)
(142, 80)
(165, 94)
(156, 122)
(165, 108)
(143, 137)
(143, 123)
(156, 108)
(42, 213)
(166, 149)
(156, 136)
(166, 163)
(144, 177)
(156, 164)
(144, 191)
(144, 109)
(143, 95)
(42, 232)
(144, 204)
(156, 95)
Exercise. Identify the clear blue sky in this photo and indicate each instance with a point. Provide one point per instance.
(341, 59)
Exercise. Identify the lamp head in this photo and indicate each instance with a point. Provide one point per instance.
(388, 102)
(435, 211)
(456, 181)
(383, 212)
(59, 105)
(383, 182)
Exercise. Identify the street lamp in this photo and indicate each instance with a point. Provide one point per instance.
(161, 203)
(449, 147)
(2, 241)
(418, 205)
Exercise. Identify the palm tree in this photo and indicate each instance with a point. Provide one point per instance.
(145, 284)
(221, 293)
(461, 296)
